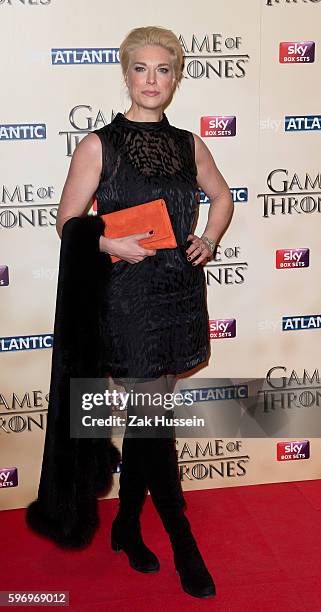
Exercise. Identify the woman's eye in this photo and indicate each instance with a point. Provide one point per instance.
(164, 70)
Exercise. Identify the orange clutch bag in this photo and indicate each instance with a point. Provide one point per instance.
(142, 218)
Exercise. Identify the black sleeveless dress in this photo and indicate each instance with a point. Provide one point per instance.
(157, 312)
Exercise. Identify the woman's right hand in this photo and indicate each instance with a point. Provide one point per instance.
(127, 248)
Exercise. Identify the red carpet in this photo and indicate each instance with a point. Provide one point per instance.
(261, 543)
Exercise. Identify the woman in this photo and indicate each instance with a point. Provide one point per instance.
(158, 319)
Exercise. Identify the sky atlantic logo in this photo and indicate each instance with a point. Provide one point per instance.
(81, 56)
(294, 52)
(302, 123)
(289, 196)
(292, 258)
(218, 126)
(290, 451)
(25, 343)
(215, 394)
(222, 328)
(23, 131)
(215, 55)
(239, 195)
(299, 322)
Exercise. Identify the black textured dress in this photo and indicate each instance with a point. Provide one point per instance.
(157, 311)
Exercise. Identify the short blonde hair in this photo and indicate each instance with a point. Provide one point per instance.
(152, 35)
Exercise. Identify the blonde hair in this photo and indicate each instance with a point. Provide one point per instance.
(152, 35)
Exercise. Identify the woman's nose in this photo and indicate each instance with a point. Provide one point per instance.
(151, 78)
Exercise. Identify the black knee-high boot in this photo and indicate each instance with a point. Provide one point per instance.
(164, 484)
(126, 530)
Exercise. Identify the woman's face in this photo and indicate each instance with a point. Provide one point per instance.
(150, 76)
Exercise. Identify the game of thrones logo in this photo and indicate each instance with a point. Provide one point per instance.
(27, 205)
(82, 123)
(214, 55)
(285, 391)
(212, 459)
(276, 2)
(291, 195)
(227, 268)
(23, 413)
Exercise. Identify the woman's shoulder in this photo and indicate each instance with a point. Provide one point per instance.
(106, 134)
(104, 129)
(88, 145)
(200, 147)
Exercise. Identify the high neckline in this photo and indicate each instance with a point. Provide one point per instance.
(145, 125)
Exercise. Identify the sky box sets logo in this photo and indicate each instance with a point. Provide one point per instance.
(290, 451)
(217, 126)
(4, 276)
(292, 258)
(8, 477)
(222, 328)
(294, 52)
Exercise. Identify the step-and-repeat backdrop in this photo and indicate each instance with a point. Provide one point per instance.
(251, 90)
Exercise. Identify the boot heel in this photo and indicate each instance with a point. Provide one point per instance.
(115, 545)
(141, 558)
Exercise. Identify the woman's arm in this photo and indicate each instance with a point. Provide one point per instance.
(81, 183)
(211, 181)
(82, 180)
(214, 185)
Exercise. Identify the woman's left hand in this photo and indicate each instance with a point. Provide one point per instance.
(198, 252)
